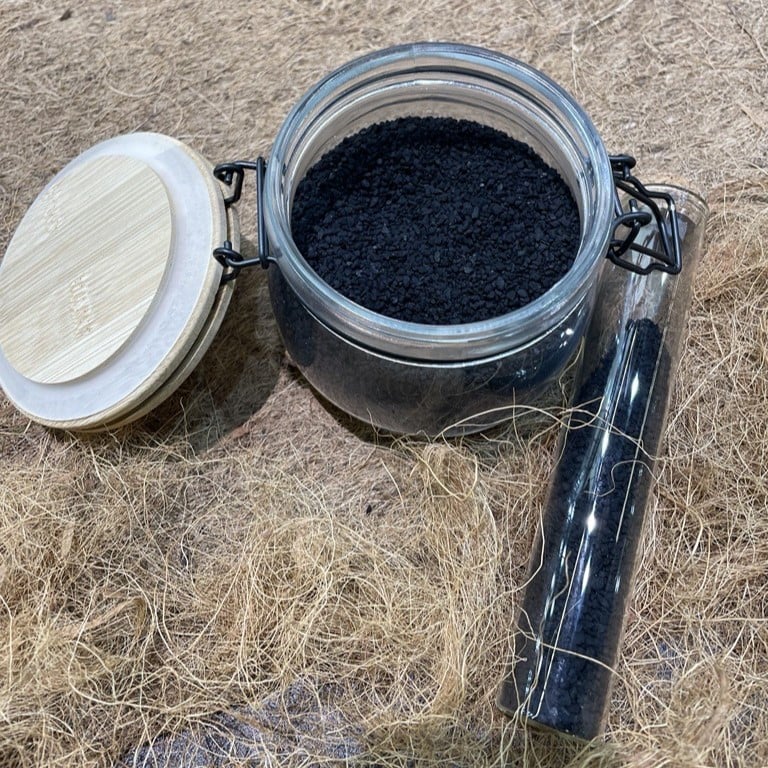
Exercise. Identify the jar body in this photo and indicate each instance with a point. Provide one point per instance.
(405, 396)
(409, 377)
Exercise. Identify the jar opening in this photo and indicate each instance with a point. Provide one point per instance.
(461, 82)
(434, 220)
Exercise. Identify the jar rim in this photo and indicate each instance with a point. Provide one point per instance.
(464, 341)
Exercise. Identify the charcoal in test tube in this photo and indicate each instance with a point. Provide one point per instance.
(573, 611)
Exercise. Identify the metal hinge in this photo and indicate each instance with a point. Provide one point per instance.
(668, 259)
(233, 174)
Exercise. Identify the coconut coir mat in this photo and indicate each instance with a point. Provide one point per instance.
(247, 577)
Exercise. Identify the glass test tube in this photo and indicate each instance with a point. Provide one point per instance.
(572, 616)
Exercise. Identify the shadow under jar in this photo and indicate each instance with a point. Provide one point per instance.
(410, 377)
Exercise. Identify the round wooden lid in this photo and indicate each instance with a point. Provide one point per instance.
(93, 247)
(109, 281)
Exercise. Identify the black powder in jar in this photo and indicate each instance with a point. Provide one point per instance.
(436, 220)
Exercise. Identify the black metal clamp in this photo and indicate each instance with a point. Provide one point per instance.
(668, 259)
(233, 174)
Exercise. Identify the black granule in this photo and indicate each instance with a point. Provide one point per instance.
(436, 220)
(577, 600)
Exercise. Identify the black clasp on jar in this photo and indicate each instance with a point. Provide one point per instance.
(233, 174)
(668, 259)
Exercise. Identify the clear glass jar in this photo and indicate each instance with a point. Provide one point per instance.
(409, 377)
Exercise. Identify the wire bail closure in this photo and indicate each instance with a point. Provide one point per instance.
(669, 258)
(233, 175)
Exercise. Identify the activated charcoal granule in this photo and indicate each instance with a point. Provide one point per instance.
(436, 220)
(574, 606)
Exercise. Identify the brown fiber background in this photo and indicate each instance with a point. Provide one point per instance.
(215, 567)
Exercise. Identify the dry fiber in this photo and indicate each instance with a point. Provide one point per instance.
(246, 575)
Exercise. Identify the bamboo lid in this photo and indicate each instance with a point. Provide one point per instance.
(108, 286)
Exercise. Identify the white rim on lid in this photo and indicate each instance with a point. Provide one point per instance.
(109, 281)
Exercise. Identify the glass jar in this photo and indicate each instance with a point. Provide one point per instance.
(415, 378)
